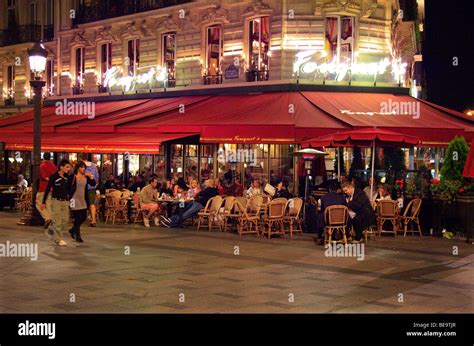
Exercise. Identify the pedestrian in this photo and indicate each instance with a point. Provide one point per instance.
(47, 168)
(58, 185)
(91, 189)
(79, 202)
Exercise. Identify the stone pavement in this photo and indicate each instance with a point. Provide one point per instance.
(180, 270)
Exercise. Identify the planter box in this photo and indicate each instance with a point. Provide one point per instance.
(465, 214)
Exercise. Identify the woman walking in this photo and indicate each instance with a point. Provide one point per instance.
(79, 202)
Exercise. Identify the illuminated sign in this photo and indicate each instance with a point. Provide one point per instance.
(114, 77)
(304, 65)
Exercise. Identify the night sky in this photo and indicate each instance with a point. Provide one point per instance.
(449, 33)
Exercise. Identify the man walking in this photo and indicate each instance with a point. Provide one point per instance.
(59, 187)
(47, 168)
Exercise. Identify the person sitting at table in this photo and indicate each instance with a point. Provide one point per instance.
(255, 189)
(360, 209)
(166, 188)
(110, 182)
(282, 190)
(22, 184)
(139, 182)
(180, 187)
(194, 188)
(195, 206)
(220, 186)
(374, 189)
(330, 199)
(236, 189)
(148, 201)
(382, 193)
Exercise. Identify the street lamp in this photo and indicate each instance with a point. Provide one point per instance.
(37, 59)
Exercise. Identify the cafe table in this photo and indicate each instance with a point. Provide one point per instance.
(181, 204)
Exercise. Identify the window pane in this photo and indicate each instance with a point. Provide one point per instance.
(191, 161)
(160, 166)
(207, 161)
(176, 161)
(281, 165)
(145, 167)
(169, 54)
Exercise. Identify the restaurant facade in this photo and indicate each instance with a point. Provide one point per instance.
(205, 88)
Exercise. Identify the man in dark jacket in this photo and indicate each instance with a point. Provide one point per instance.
(360, 210)
(195, 206)
(59, 186)
(330, 199)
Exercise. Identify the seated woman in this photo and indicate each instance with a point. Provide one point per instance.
(255, 189)
(180, 187)
(220, 187)
(194, 188)
(382, 194)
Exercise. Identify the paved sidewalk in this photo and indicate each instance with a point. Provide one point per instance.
(181, 270)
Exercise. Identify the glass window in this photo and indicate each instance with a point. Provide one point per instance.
(176, 161)
(133, 56)
(72, 157)
(80, 66)
(281, 165)
(20, 163)
(259, 47)
(49, 78)
(214, 50)
(169, 55)
(107, 166)
(10, 94)
(105, 59)
(146, 165)
(49, 12)
(33, 12)
(339, 39)
(191, 161)
(160, 166)
(207, 162)
(11, 13)
(133, 164)
(255, 165)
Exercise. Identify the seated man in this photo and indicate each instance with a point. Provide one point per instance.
(330, 199)
(282, 190)
(194, 207)
(148, 197)
(360, 209)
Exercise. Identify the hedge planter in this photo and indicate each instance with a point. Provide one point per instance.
(465, 214)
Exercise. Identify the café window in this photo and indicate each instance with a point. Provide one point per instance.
(214, 50)
(80, 70)
(105, 60)
(33, 12)
(133, 56)
(11, 14)
(229, 163)
(159, 162)
(207, 162)
(49, 12)
(49, 77)
(339, 39)
(281, 165)
(255, 163)
(191, 161)
(146, 166)
(10, 85)
(169, 56)
(177, 161)
(259, 49)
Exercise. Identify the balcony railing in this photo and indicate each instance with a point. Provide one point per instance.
(96, 10)
(212, 79)
(25, 33)
(257, 76)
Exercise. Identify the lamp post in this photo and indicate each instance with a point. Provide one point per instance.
(37, 59)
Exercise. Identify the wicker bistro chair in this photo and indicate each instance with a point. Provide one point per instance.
(116, 209)
(210, 212)
(411, 215)
(335, 220)
(137, 209)
(226, 211)
(276, 213)
(292, 215)
(254, 205)
(243, 201)
(387, 211)
(247, 223)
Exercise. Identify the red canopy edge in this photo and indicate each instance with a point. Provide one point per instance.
(468, 171)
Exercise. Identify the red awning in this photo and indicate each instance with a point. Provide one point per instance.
(468, 171)
(399, 113)
(95, 143)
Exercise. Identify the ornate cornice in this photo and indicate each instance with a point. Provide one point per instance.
(167, 23)
(215, 14)
(130, 30)
(79, 40)
(257, 6)
(105, 34)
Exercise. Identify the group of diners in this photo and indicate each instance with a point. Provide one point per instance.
(155, 196)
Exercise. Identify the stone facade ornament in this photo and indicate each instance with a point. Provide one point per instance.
(318, 8)
(215, 14)
(105, 34)
(167, 23)
(257, 6)
(79, 39)
(131, 30)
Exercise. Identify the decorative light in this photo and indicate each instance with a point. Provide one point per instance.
(37, 58)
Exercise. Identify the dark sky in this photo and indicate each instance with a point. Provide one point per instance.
(449, 29)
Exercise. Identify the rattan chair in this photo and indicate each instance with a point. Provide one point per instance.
(387, 211)
(246, 223)
(276, 212)
(226, 211)
(411, 215)
(137, 210)
(254, 205)
(335, 220)
(292, 215)
(209, 213)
